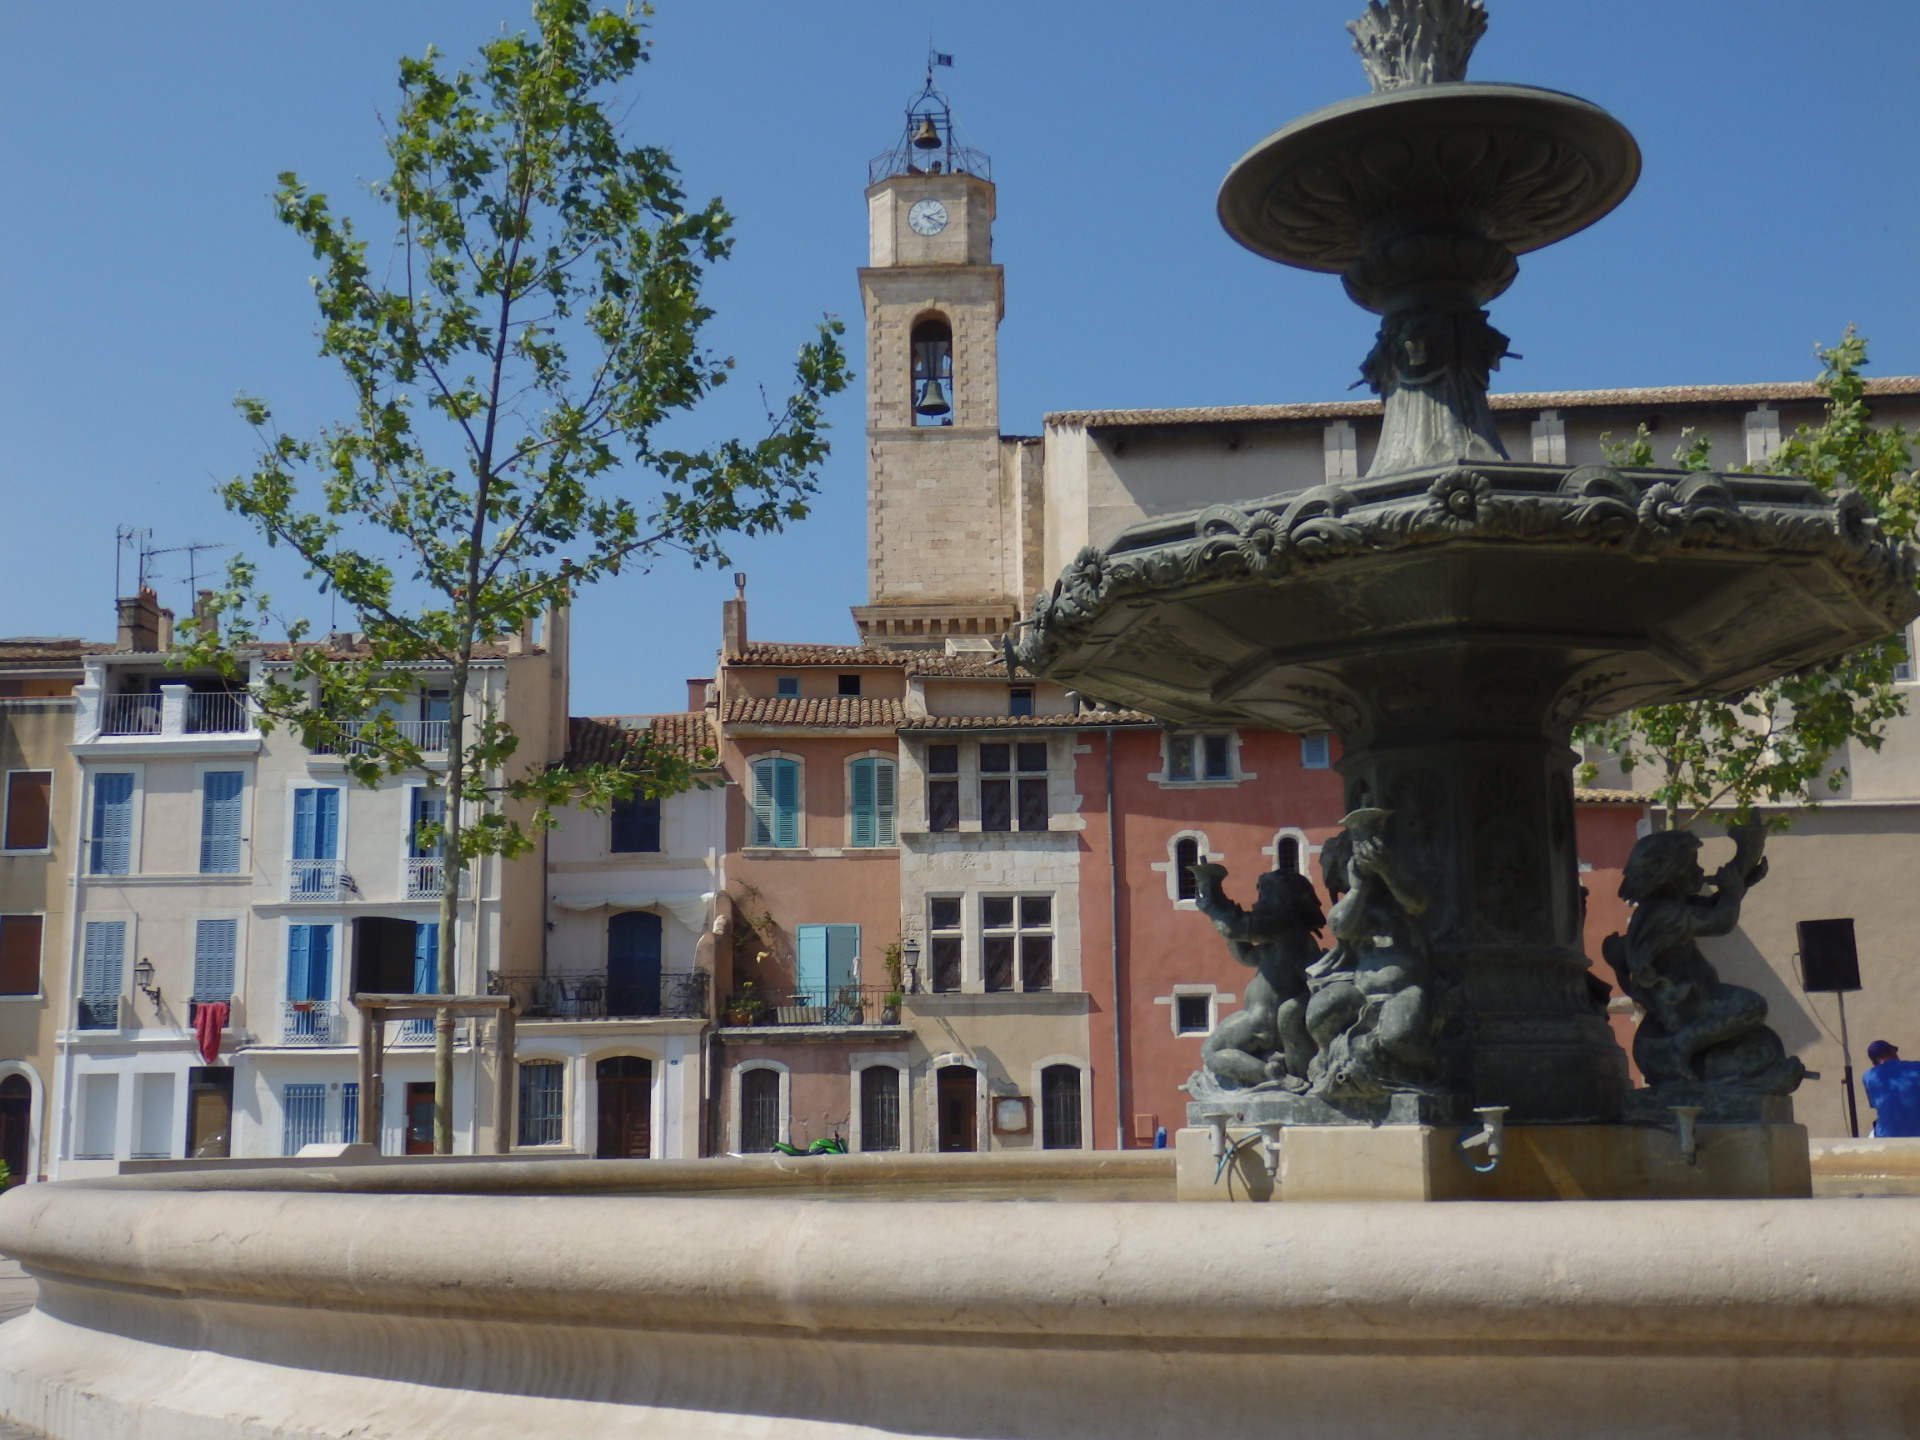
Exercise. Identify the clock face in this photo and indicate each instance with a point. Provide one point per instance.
(927, 217)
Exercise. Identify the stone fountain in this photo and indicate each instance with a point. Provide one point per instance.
(1451, 616)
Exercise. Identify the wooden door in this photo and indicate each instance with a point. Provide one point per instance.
(16, 1126)
(957, 1091)
(625, 1084)
(419, 1117)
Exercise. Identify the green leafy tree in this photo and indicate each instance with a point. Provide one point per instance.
(1776, 743)
(512, 361)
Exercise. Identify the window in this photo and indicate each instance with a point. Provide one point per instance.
(309, 963)
(436, 718)
(543, 1091)
(1902, 670)
(215, 943)
(99, 1116)
(1199, 757)
(635, 825)
(350, 1113)
(1020, 700)
(316, 844)
(932, 344)
(634, 953)
(871, 819)
(220, 792)
(20, 954)
(29, 809)
(110, 845)
(304, 1108)
(943, 941)
(759, 1110)
(827, 960)
(880, 1107)
(1060, 1107)
(1186, 855)
(1016, 941)
(103, 960)
(1316, 752)
(1286, 855)
(1013, 786)
(850, 686)
(787, 687)
(943, 787)
(1193, 1014)
(153, 1115)
(775, 801)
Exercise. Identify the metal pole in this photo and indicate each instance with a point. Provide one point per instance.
(1119, 996)
(369, 1079)
(1846, 1061)
(503, 1082)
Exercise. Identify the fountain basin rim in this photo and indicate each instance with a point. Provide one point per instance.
(1606, 143)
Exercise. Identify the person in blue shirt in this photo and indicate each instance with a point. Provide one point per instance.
(1893, 1089)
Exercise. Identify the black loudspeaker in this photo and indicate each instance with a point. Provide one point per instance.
(1829, 960)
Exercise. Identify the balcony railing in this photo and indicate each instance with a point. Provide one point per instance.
(413, 1032)
(217, 713)
(425, 874)
(427, 736)
(100, 1012)
(310, 1022)
(130, 715)
(819, 1005)
(313, 880)
(675, 995)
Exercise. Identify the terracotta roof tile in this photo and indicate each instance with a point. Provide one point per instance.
(767, 652)
(281, 650)
(41, 650)
(1083, 720)
(1800, 390)
(1587, 795)
(601, 739)
(837, 712)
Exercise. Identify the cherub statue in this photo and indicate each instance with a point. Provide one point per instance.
(1371, 1012)
(1697, 1030)
(1265, 1041)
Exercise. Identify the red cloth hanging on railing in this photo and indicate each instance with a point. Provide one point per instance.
(209, 1019)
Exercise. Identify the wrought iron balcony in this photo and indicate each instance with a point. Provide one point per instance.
(593, 995)
(425, 876)
(429, 737)
(310, 1022)
(130, 715)
(100, 1012)
(850, 1005)
(217, 713)
(313, 880)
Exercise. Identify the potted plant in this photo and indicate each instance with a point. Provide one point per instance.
(744, 1005)
(896, 985)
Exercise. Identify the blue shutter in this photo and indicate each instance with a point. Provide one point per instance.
(214, 945)
(843, 948)
(350, 1112)
(429, 807)
(103, 959)
(299, 961)
(861, 829)
(786, 802)
(220, 822)
(112, 824)
(426, 958)
(316, 824)
(812, 970)
(633, 963)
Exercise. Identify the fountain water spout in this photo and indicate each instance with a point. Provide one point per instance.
(1686, 1119)
(1490, 1137)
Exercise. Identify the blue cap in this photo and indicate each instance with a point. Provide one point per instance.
(1880, 1049)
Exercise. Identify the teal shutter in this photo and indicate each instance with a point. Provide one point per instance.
(843, 948)
(214, 946)
(813, 952)
(112, 825)
(786, 802)
(220, 822)
(883, 789)
(426, 959)
(760, 801)
(862, 825)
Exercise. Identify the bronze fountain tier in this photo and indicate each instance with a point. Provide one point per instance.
(1451, 616)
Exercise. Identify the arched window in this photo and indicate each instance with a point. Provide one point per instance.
(870, 819)
(1286, 855)
(759, 1110)
(933, 372)
(880, 1107)
(1060, 1107)
(1186, 855)
(774, 800)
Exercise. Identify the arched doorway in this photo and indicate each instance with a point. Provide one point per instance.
(16, 1127)
(625, 1084)
(956, 1094)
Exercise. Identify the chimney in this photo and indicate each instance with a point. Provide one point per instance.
(166, 629)
(733, 621)
(697, 692)
(139, 621)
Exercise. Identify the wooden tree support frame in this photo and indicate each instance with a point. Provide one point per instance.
(377, 1010)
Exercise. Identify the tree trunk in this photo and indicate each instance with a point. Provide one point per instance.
(451, 870)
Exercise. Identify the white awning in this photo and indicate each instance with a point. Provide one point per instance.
(686, 906)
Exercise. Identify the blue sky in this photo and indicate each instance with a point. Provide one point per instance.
(146, 282)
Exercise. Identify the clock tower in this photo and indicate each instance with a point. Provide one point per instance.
(947, 557)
